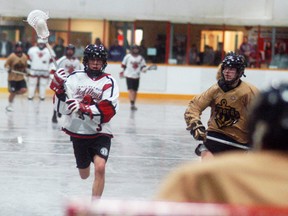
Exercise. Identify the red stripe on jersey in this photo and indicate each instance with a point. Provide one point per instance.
(106, 86)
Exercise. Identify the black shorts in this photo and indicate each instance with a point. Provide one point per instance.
(132, 84)
(218, 147)
(15, 86)
(86, 149)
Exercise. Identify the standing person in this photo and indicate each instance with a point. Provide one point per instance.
(229, 100)
(15, 63)
(59, 48)
(69, 63)
(6, 46)
(258, 178)
(40, 61)
(93, 101)
(116, 52)
(246, 49)
(133, 64)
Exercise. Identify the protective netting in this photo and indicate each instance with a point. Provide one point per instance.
(38, 20)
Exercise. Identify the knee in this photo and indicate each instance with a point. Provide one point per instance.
(100, 167)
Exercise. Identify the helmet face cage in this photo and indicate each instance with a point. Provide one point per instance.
(93, 51)
(135, 49)
(268, 119)
(17, 45)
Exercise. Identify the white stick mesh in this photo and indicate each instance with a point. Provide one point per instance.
(38, 20)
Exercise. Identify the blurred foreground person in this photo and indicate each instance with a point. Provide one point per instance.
(257, 178)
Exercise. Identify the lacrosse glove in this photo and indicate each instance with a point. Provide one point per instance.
(198, 130)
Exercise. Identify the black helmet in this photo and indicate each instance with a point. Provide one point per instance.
(93, 51)
(134, 49)
(17, 45)
(70, 46)
(233, 60)
(268, 122)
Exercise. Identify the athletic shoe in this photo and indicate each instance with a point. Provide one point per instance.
(9, 109)
(54, 119)
(133, 107)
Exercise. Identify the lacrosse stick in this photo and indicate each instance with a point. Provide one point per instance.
(228, 143)
(151, 67)
(38, 20)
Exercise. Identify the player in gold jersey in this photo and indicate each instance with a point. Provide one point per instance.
(16, 65)
(229, 100)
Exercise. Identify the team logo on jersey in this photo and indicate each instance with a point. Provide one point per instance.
(135, 65)
(225, 115)
(104, 151)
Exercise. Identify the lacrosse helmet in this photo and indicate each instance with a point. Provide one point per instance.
(134, 49)
(69, 47)
(233, 60)
(41, 43)
(93, 51)
(268, 119)
(18, 49)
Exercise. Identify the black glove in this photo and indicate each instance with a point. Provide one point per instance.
(198, 130)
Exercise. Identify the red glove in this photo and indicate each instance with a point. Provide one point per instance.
(76, 106)
(107, 110)
(57, 83)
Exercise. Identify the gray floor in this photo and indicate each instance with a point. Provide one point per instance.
(38, 174)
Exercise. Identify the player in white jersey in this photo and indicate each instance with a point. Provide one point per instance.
(39, 63)
(133, 64)
(70, 63)
(88, 99)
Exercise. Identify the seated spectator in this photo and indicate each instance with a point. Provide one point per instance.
(116, 52)
(256, 178)
(208, 55)
(59, 48)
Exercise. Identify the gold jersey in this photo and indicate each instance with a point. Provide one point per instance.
(16, 63)
(229, 110)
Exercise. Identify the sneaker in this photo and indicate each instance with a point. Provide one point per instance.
(59, 115)
(54, 119)
(9, 109)
(30, 98)
(42, 99)
(133, 107)
(200, 148)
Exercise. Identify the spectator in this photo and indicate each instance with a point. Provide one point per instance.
(143, 49)
(258, 178)
(116, 52)
(194, 57)
(246, 49)
(6, 46)
(219, 53)
(268, 53)
(280, 60)
(59, 48)
(208, 55)
(79, 49)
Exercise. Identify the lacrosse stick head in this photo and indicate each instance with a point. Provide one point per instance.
(38, 20)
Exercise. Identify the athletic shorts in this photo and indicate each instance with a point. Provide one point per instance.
(218, 147)
(86, 149)
(14, 86)
(132, 84)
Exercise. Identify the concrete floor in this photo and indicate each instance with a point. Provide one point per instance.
(38, 172)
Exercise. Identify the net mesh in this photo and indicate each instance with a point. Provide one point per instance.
(38, 20)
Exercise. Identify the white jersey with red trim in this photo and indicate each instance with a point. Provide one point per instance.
(39, 61)
(133, 66)
(79, 85)
(69, 64)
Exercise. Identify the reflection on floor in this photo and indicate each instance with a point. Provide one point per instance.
(37, 163)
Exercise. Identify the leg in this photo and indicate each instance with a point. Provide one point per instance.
(206, 155)
(84, 173)
(43, 82)
(54, 117)
(99, 176)
(32, 83)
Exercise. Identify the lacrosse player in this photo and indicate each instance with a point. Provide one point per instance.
(40, 61)
(70, 63)
(16, 65)
(133, 64)
(258, 178)
(229, 100)
(88, 99)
